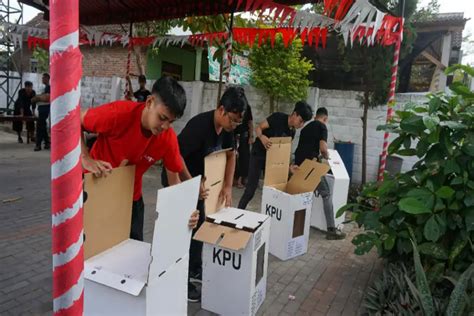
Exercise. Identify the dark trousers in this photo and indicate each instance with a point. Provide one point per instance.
(325, 192)
(138, 213)
(242, 168)
(42, 126)
(256, 166)
(195, 250)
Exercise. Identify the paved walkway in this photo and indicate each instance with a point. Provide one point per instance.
(328, 280)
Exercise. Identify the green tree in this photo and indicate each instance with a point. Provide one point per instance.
(42, 56)
(280, 71)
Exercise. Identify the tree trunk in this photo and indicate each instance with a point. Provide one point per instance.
(364, 136)
(219, 90)
(272, 104)
(137, 51)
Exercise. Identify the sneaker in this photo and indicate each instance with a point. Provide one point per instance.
(20, 140)
(335, 234)
(195, 277)
(194, 294)
(47, 146)
(37, 148)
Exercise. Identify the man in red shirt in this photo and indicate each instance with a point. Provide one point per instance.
(139, 134)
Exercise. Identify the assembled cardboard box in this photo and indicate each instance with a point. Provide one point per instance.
(338, 182)
(288, 203)
(235, 251)
(130, 277)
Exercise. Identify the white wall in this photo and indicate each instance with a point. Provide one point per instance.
(344, 111)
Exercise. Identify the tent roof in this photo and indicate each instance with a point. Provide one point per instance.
(98, 12)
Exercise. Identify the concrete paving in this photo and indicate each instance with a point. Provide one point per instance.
(329, 280)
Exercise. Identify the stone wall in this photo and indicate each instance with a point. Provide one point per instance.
(345, 113)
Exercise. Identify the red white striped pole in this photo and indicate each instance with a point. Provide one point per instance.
(391, 104)
(66, 169)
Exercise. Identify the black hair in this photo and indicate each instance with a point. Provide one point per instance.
(141, 78)
(46, 75)
(28, 84)
(171, 93)
(322, 112)
(304, 110)
(234, 100)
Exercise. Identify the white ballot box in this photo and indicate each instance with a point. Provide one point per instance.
(338, 181)
(129, 277)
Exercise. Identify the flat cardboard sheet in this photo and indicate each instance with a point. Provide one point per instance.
(172, 236)
(108, 210)
(278, 161)
(214, 171)
(307, 177)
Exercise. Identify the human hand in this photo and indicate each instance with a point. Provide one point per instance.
(294, 168)
(266, 142)
(203, 191)
(96, 167)
(193, 220)
(226, 196)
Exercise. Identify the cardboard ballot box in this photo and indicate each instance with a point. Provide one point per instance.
(339, 186)
(130, 277)
(288, 203)
(235, 251)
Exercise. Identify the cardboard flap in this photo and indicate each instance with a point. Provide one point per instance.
(307, 178)
(235, 239)
(123, 267)
(172, 236)
(214, 171)
(223, 236)
(108, 209)
(211, 233)
(278, 161)
(238, 218)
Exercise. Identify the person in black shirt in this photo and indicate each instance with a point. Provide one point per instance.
(142, 93)
(276, 125)
(204, 134)
(23, 107)
(244, 134)
(42, 101)
(312, 145)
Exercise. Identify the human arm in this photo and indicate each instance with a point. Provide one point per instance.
(97, 167)
(259, 133)
(323, 148)
(226, 192)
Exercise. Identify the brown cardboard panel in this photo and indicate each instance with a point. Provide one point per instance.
(235, 239)
(298, 223)
(211, 233)
(108, 210)
(214, 171)
(278, 161)
(307, 178)
(280, 187)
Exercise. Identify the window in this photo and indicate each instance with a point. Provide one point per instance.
(172, 70)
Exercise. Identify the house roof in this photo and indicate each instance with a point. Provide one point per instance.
(453, 22)
(99, 12)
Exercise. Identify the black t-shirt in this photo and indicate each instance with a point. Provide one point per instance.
(308, 145)
(47, 90)
(243, 129)
(199, 138)
(278, 127)
(141, 95)
(24, 102)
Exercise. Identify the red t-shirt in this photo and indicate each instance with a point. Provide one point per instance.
(120, 137)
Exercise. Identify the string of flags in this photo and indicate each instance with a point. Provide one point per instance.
(356, 20)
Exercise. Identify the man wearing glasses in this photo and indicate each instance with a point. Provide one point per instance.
(138, 134)
(204, 134)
